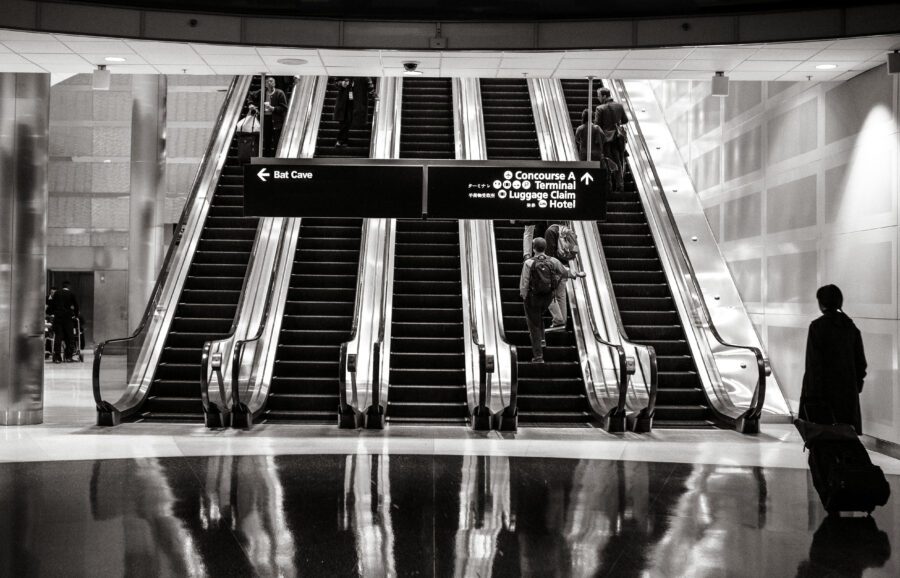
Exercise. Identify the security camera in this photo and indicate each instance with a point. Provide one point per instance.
(410, 66)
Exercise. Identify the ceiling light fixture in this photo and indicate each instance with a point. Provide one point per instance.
(292, 61)
(114, 59)
(826, 66)
(720, 84)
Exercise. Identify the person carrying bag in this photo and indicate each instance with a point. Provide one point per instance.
(248, 137)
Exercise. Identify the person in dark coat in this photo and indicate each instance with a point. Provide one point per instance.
(609, 115)
(351, 109)
(275, 107)
(581, 139)
(835, 362)
(64, 308)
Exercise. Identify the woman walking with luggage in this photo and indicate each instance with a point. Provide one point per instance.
(835, 362)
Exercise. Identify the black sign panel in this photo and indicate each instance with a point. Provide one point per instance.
(305, 189)
(531, 193)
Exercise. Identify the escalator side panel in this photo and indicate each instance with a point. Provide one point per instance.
(643, 295)
(553, 392)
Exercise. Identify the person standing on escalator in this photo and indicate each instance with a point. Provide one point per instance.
(612, 118)
(351, 110)
(581, 139)
(275, 107)
(541, 275)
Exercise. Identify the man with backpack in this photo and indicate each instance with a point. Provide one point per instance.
(562, 243)
(541, 276)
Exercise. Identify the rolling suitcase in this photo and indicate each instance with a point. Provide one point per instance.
(843, 475)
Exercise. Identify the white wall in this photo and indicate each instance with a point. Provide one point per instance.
(799, 182)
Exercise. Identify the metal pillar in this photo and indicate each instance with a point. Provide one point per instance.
(24, 150)
(146, 237)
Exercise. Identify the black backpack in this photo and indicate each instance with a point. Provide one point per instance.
(544, 279)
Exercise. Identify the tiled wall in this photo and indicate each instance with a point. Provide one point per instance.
(799, 182)
(90, 177)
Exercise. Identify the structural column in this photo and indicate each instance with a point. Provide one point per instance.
(24, 125)
(148, 191)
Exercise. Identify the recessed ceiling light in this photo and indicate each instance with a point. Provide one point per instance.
(114, 59)
(826, 66)
(292, 61)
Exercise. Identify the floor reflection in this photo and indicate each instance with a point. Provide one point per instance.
(380, 515)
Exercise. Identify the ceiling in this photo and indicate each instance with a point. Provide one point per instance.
(67, 54)
(473, 9)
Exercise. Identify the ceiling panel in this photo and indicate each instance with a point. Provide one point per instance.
(98, 46)
(882, 43)
(647, 64)
(767, 53)
(459, 63)
(223, 49)
(660, 54)
(183, 69)
(845, 55)
(771, 65)
(49, 45)
(817, 76)
(33, 51)
(57, 59)
(234, 59)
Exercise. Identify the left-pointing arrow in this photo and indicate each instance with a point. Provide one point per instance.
(262, 174)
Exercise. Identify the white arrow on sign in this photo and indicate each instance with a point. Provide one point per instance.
(262, 175)
(586, 178)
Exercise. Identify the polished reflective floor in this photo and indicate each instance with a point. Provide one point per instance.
(403, 515)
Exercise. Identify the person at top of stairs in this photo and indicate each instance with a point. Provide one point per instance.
(541, 276)
(611, 117)
(352, 105)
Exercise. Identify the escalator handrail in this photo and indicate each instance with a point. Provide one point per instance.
(162, 277)
(240, 344)
(653, 389)
(382, 316)
(483, 393)
(494, 265)
(238, 352)
(357, 315)
(759, 395)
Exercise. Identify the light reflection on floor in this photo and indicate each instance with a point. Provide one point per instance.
(400, 515)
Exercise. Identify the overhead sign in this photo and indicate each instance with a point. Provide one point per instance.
(527, 190)
(284, 189)
(509, 192)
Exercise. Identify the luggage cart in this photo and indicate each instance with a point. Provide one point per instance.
(79, 341)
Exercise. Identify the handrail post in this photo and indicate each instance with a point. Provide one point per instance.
(508, 419)
(643, 422)
(349, 417)
(213, 415)
(481, 416)
(374, 415)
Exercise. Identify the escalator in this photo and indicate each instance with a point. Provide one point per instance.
(644, 297)
(427, 365)
(552, 392)
(208, 302)
(318, 312)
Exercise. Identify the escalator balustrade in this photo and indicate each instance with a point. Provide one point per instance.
(318, 312)
(208, 302)
(552, 392)
(643, 295)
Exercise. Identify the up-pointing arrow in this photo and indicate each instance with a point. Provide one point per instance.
(586, 178)
(262, 175)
